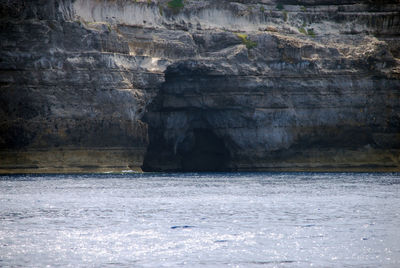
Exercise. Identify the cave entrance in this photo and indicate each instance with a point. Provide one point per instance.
(207, 152)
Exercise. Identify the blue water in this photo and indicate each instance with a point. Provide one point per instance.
(200, 220)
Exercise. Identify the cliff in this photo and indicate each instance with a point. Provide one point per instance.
(93, 86)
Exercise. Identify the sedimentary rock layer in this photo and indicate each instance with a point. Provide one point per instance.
(207, 85)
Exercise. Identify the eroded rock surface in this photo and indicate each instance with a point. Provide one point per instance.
(214, 85)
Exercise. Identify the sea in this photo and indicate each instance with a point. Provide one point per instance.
(200, 220)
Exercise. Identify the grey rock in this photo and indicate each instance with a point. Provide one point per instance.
(217, 85)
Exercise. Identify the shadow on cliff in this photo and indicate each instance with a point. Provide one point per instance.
(201, 150)
(206, 153)
(181, 138)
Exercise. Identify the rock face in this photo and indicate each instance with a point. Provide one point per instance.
(71, 94)
(92, 85)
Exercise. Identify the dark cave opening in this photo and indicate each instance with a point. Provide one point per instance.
(201, 151)
(174, 114)
(206, 152)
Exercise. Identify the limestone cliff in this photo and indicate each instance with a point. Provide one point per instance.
(91, 85)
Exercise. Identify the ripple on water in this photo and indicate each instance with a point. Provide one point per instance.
(201, 219)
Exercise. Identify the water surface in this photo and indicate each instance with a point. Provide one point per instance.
(201, 220)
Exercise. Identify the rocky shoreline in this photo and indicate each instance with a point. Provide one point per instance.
(99, 86)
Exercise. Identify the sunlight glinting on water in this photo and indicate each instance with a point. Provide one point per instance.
(201, 220)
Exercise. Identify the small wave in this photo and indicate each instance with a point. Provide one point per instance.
(182, 227)
(127, 171)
